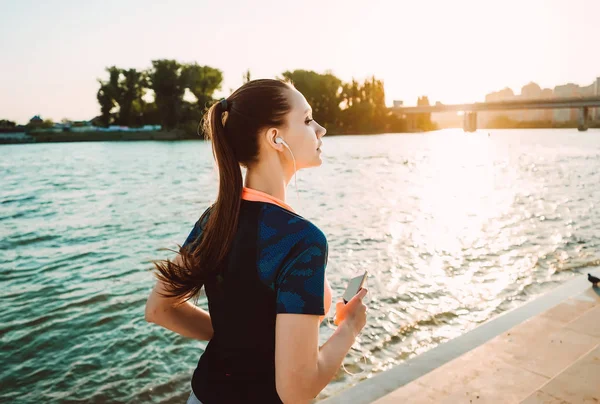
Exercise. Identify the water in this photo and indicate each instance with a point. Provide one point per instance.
(454, 228)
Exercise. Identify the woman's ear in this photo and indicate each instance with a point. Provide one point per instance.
(270, 136)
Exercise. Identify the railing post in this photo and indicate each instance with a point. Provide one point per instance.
(470, 121)
(583, 119)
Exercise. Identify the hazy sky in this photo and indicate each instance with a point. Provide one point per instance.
(52, 52)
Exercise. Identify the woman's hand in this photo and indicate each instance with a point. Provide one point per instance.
(354, 314)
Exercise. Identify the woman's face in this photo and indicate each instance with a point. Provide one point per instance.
(302, 133)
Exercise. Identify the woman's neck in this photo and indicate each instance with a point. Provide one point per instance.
(266, 180)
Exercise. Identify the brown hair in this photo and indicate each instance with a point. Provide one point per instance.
(233, 126)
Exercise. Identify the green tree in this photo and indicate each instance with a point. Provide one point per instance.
(323, 93)
(375, 96)
(131, 89)
(351, 94)
(47, 124)
(166, 80)
(202, 81)
(423, 121)
(106, 102)
(365, 110)
(246, 77)
(108, 94)
(6, 124)
(395, 124)
(151, 115)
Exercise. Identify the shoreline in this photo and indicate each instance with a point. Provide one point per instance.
(117, 136)
(63, 137)
(174, 135)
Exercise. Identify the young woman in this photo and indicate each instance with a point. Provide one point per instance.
(261, 264)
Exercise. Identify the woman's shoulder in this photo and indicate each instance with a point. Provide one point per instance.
(198, 227)
(277, 223)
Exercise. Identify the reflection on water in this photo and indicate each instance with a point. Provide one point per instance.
(454, 228)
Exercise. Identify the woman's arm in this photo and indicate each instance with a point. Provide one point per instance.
(302, 369)
(186, 319)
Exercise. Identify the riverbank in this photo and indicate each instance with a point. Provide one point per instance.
(57, 137)
(546, 351)
(50, 137)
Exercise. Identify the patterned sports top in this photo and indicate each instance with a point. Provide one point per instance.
(276, 264)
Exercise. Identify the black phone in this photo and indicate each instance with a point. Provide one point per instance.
(354, 285)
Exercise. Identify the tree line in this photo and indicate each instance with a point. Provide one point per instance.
(123, 100)
(156, 96)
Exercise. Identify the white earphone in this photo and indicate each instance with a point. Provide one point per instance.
(279, 140)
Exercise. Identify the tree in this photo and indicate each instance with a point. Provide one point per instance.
(106, 102)
(108, 94)
(166, 80)
(323, 93)
(130, 92)
(246, 77)
(351, 93)
(6, 124)
(125, 89)
(47, 124)
(202, 81)
(365, 110)
(423, 121)
(375, 95)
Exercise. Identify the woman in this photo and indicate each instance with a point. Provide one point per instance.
(261, 264)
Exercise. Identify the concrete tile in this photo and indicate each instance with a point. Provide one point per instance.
(413, 392)
(539, 397)
(580, 383)
(542, 345)
(533, 328)
(481, 376)
(569, 310)
(469, 396)
(589, 323)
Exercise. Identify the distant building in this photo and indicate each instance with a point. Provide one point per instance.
(532, 91)
(595, 113)
(593, 90)
(485, 117)
(503, 95)
(547, 114)
(574, 90)
(569, 90)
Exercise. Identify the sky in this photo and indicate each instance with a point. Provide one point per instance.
(52, 52)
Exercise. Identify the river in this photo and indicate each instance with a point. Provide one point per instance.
(454, 229)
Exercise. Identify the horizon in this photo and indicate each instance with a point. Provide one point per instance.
(57, 52)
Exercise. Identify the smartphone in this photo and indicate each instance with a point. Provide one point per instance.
(354, 285)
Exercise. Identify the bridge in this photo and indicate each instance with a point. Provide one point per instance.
(470, 110)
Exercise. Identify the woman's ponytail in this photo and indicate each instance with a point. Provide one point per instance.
(233, 125)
